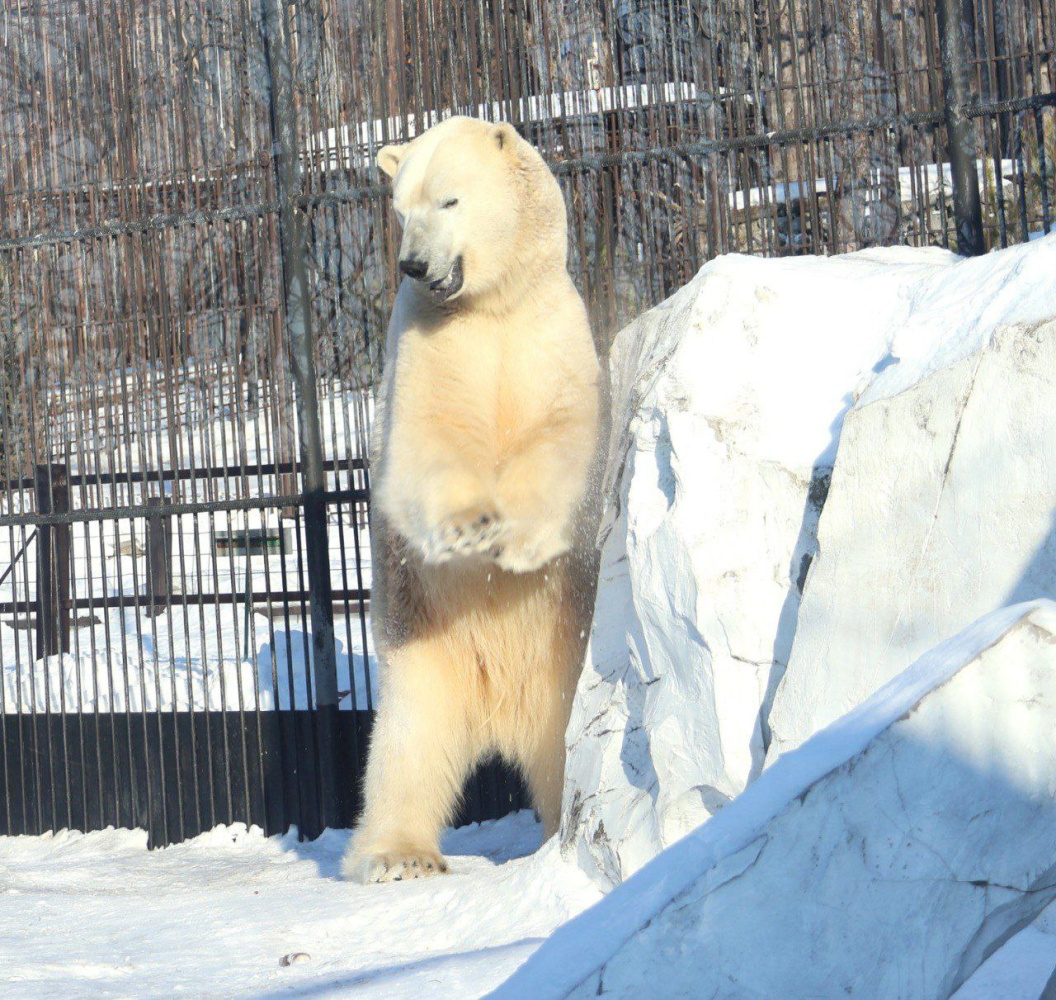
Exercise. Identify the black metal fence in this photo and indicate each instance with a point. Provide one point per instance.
(196, 265)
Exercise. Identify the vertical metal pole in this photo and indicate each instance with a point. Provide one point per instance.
(955, 19)
(53, 563)
(286, 147)
(999, 17)
(159, 557)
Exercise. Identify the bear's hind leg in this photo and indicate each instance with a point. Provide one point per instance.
(542, 751)
(544, 769)
(420, 754)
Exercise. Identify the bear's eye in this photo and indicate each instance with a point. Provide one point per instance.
(450, 203)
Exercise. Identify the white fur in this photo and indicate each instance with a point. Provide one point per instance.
(486, 433)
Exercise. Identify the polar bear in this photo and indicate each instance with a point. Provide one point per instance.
(486, 434)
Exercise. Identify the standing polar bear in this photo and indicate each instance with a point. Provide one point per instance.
(486, 432)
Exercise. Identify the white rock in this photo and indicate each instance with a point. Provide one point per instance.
(887, 857)
(727, 401)
(942, 508)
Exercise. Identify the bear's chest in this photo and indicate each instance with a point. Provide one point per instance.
(473, 376)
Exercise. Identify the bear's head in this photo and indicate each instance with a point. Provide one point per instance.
(482, 215)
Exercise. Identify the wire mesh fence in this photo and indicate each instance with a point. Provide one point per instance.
(196, 266)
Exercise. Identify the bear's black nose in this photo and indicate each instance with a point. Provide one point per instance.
(414, 268)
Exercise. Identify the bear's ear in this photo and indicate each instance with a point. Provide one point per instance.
(390, 158)
(504, 136)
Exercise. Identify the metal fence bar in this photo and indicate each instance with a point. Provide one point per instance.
(159, 555)
(53, 563)
(18, 555)
(202, 507)
(956, 25)
(286, 147)
(353, 597)
(182, 475)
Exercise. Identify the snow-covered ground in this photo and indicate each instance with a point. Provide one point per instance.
(100, 915)
(199, 416)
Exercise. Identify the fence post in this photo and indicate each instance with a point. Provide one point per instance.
(53, 563)
(954, 17)
(286, 150)
(159, 555)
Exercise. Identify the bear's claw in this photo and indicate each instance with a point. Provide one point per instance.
(468, 533)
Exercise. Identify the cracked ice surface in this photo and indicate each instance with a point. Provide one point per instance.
(727, 403)
(875, 860)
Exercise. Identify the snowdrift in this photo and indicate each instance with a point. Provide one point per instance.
(875, 859)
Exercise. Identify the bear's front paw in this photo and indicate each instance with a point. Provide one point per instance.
(394, 866)
(474, 531)
(530, 552)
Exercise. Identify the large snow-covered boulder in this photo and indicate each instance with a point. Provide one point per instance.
(888, 856)
(727, 403)
(942, 505)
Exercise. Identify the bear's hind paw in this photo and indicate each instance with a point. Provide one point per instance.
(394, 866)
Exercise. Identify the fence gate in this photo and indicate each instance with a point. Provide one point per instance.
(197, 263)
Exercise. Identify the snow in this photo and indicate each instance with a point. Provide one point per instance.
(198, 415)
(205, 660)
(782, 343)
(953, 315)
(935, 180)
(978, 708)
(99, 913)
(727, 404)
(196, 656)
(941, 509)
(1018, 971)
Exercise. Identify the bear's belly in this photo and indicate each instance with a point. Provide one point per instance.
(491, 623)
